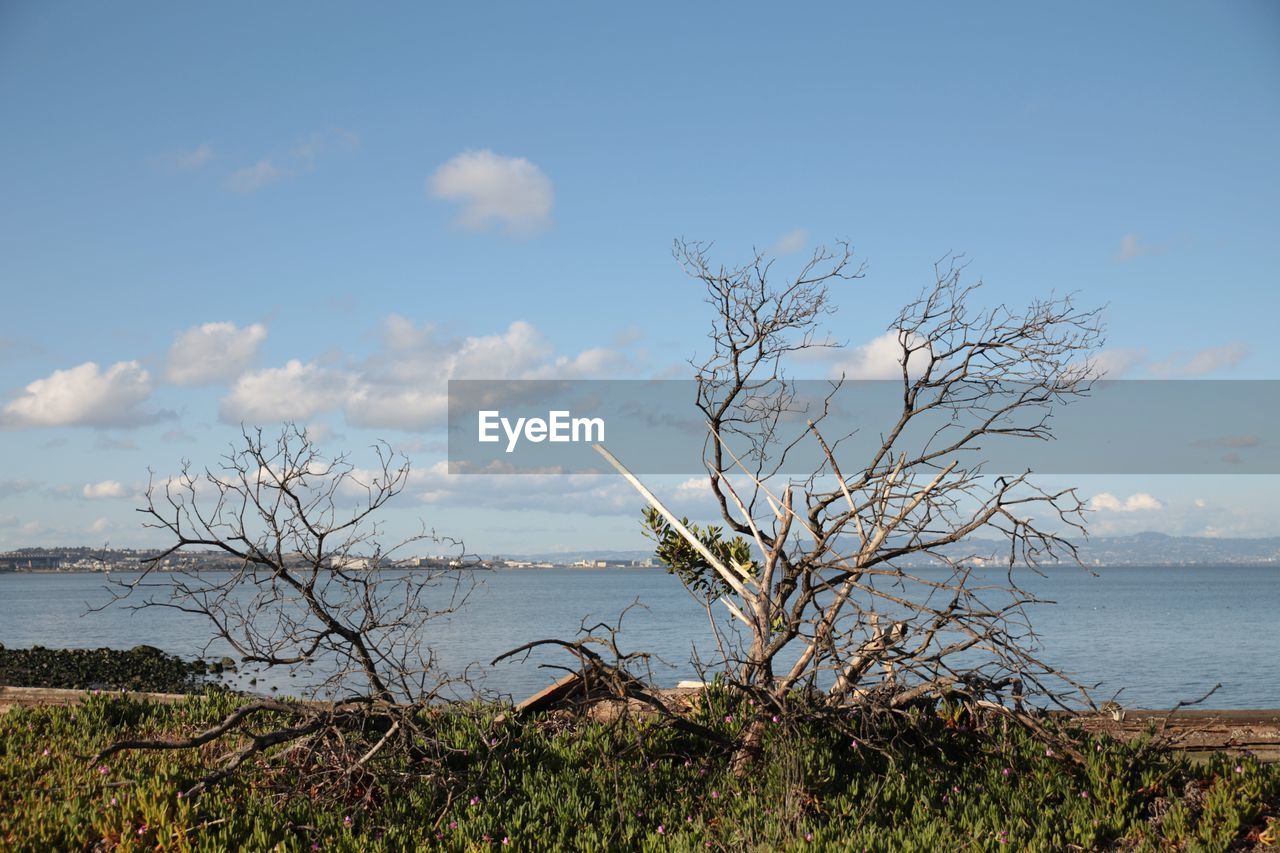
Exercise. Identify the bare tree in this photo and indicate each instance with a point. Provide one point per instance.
(306, 584)
(822, 570)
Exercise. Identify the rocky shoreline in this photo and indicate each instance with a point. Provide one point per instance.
(142, 668)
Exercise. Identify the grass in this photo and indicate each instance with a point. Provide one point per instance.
(548, 783)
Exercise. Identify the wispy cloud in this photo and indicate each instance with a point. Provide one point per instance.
(253, 178)
(790, 243)
(1201, 362)
(1132, 247)
(1117, 363)
(299, 159)
(494, 190)
(195, 158)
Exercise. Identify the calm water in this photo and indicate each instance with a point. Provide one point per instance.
(1161, 633)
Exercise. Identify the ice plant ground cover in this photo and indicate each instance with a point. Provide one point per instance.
(550, 782)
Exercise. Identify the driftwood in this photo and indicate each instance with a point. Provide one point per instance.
(34, 697)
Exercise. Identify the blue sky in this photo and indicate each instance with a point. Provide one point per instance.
(365, 206)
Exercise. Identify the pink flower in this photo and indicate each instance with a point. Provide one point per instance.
(104, 770)
(775, 718)
(1005, 772)
(113, 801)
(728, 718)
(505, 841)
(1048, 752)
(715, 795)
(346, 821)
(474, 801)
(808, 836)
(46, 751)
(662, 830)
(453, 824)
(853, 743)
(1239, 768)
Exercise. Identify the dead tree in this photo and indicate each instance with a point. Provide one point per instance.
(822, 571)
(305, 583)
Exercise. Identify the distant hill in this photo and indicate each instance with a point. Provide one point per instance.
(1136, 550)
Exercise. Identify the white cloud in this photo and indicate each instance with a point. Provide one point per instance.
(790, 243)
(880, 358)
(101, 525)
(495, 190)
(1131, 247)
(1138, 502)
(189, 161)
(1205, 361)
(404, 385)
(105, 489)
(296, 391)
(84, 396)
(253, 178)
(213, 352)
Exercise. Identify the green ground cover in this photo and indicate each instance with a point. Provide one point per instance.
(553, 783)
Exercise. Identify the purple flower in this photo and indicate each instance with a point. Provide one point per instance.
(1004, 836)
(728, 718)
(1006, 772)
(715, 795)
(346, 821)
(453, 824)
(104, 770)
